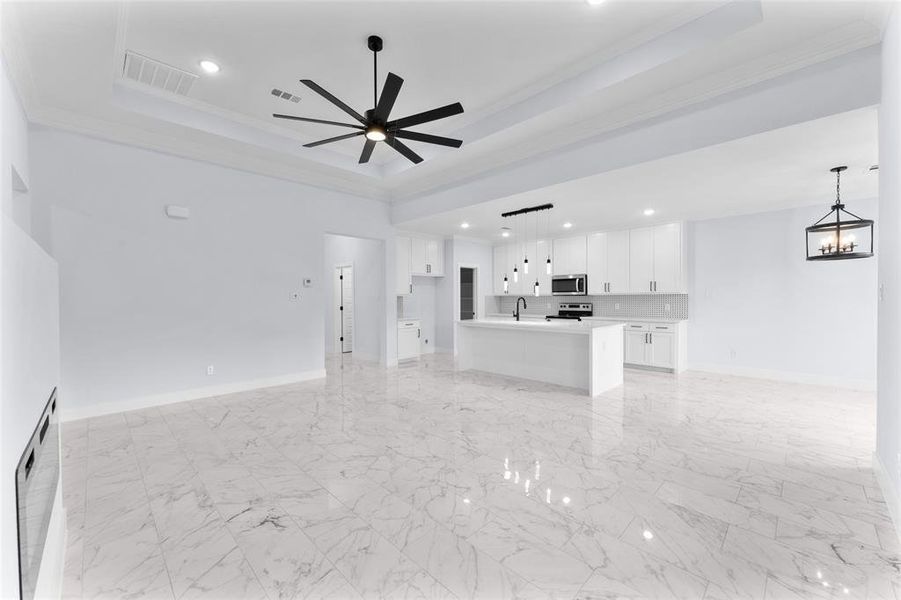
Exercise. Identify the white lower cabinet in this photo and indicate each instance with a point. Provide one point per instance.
(656, 345)
(408, 334)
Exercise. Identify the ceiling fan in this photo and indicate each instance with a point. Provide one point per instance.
(375, 125)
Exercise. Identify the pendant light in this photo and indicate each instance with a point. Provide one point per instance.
(522, 244)
(515, 252)
(548, 267)
(537, 285)
(836, 236)
(525, 246)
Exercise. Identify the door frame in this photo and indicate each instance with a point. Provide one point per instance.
(479, 302)
(338, 318)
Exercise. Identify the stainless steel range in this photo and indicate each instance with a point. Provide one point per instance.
(573, 310)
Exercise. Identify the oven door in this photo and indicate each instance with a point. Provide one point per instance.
(569, 285)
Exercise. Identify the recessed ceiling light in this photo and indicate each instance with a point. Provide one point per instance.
(505, 234)
(646, 534)
(648, 212)
(594, 2)
(464, 225)
(209, 66)
(567, 225)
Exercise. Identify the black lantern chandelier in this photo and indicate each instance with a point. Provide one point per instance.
(840, 234)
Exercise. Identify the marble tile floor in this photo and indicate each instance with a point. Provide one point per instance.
(426, 482)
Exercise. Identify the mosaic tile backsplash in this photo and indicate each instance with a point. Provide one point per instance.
(631, 306)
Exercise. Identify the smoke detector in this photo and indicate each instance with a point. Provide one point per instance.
(157, 74)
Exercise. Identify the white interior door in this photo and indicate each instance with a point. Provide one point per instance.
(344, 315)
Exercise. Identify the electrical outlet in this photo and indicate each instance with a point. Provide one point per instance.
(210, 370)
(294, 296)
(732, 353)
(616, 306)
(667, 307)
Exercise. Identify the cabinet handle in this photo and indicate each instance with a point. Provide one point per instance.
(411, 288)
(650, 338)
(650, 286)
(418, 333)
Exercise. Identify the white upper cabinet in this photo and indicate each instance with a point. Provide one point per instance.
(641, 260)
(570, 256)
(427, 256)
(434, 257)
(597, 264)
(656, 259)
(402, 264)
(617, 262)
(608, 263)
(636, 261)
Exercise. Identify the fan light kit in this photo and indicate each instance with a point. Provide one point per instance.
(375, 126)
(840, 234)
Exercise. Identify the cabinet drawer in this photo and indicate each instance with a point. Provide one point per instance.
(662, 327)
(637, 327)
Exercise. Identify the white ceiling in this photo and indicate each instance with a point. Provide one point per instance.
(779, 169)
(500, 59)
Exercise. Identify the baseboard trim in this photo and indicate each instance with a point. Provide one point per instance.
(808, 378)
(106, 408)
(891, 495)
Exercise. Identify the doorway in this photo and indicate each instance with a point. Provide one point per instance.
(344, 309)
(467, 293)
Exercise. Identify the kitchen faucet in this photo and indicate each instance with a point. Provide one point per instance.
(516, 312)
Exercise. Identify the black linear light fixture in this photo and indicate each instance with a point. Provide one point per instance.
(375, 126)
(840, 234)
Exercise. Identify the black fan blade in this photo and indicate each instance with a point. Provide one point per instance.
(368, 147)
(334, 139)
(428, 138)
(404, 149)
(430, 115)
(388, 97)
(308, 120)
(322, 92)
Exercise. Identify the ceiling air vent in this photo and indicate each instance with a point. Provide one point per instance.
(157, 74)
(285, 95)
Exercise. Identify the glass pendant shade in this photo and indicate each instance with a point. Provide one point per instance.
(506, 285)
(548, 267)
(525, 266)
(537, 292)
(840, 234)
(515, 275)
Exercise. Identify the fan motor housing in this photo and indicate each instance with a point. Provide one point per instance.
(375, 43)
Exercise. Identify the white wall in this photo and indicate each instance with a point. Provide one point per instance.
(365, 255)
(888, 421)
(467, 253)
(757, 307)
(29, 353)
(148, 302)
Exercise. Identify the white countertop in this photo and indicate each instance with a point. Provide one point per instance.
(608, 319)
(573, 327)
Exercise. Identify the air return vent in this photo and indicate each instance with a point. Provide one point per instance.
(157, 74)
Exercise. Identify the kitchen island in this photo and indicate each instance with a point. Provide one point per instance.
(585, 355)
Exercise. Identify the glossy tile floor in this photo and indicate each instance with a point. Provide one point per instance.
(423, 482)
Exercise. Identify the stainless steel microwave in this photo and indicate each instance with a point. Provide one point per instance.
(569, 285)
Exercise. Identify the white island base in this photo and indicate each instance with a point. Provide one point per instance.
(586, 355)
